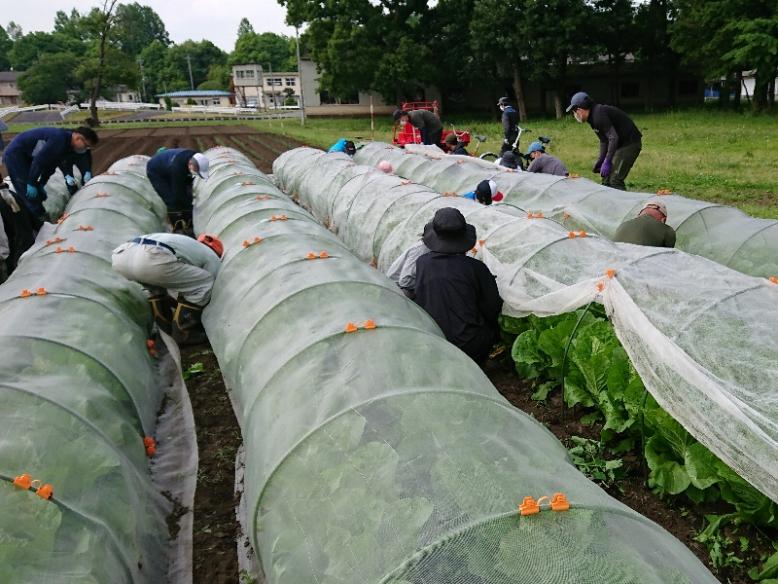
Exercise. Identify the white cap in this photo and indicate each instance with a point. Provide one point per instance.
(202, 165)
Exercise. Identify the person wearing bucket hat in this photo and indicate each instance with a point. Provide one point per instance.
(543, 162)
(509, 160)
(485, 193)
(403, 270)
(454, 146)
(620, 139)
(648, 228)
(458, 291)
(171, 173)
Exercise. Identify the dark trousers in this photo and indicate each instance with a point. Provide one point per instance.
(479, 347)
(25, 224)
(432, 138)
(623, 159)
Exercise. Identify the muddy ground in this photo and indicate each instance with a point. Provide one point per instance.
(215, 526)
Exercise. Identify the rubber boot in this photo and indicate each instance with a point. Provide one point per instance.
(162, 309)
(187, 327)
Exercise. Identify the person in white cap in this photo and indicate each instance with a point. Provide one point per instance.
(648, 228)
(171, 173)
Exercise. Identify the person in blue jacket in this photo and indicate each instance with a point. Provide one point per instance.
(345, 146)
(83, 162)
(30, 159)
(171, 173)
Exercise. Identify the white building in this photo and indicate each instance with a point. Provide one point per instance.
(9, 90)
(197, 97)
(256, 87)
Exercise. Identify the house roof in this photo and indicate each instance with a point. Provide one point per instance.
(7, 76)
(196, 93)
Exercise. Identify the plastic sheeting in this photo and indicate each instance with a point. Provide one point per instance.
(721, 233)
(701, 336)
(80, 392)
(384, 454)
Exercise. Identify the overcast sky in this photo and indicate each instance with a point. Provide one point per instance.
(215, 20)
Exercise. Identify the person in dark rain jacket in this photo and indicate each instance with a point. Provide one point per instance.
(457, 290)
(31, 158)
(171, 173)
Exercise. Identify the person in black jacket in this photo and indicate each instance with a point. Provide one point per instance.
(620, 139)
(456, 290)
(510, 123)
(171, 173)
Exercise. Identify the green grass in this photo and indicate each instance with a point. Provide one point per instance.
(727, 158)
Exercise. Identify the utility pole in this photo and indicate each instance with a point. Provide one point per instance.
(191, 79)
(142, 81)
(300, 77)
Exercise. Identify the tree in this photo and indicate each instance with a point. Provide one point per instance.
(654, 53)
(30, 47)
(614, 21)
(202, 54)
(154, 59)
(558, 33)
(755, 42)
(137, 27)
(14, 31)
(5, 47)
(245, 27)
(265, 49)
(99, 24)
(497, 35)
(70, 25)
(48, 80)
(218, 77)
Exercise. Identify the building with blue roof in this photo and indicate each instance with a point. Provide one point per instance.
(198, 96)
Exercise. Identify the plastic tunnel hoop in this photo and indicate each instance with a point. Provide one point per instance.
(714, 373)
(723, 234)
(375, 450)
(75, 410)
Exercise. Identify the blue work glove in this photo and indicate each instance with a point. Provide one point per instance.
(71, 182)
(32, 192)
(605, 171)
(87, 177)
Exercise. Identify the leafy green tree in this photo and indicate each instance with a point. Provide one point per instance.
(614, 21)
(755, 42)
(558, 32)
(14, 31)
(48, 79)
(5, 47)
(264, 49)
(70, 25)
(497, 34)
(245, 27)
(154, 60)
(654, 52)
(203, 55)
(30, 47)
(218, 77)
(137, 27)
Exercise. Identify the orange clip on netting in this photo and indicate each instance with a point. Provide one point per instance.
(101, 195)
(529, 506)
(45, 492)
(663, 192)
(150, 445)
(263, 197)
(559, 502)
(351, 328)
(256, 240)
(151, 347)
(773, 279)
(312, 255)
(26, 293)
(369, 325)
(600, 286)
(279, 218)
(247, 183)
(85, 228)
(23, 481)
(64, 216)
(611, 273)
(55, 240)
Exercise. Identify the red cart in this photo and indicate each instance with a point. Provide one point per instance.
(407, 134)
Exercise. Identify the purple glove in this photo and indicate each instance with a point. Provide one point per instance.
(606, 169)
(597, 165)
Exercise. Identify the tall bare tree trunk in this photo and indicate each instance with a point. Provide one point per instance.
(518, 87)
(108, 6)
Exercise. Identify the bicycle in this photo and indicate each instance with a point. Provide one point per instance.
(523, 158)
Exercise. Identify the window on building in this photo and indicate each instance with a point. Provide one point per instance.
(240, 74)
(630, 89)
(291, 81)
(250, 74)
(688, 87)
(274, 82)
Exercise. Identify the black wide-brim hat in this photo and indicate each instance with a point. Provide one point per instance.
(449, 232)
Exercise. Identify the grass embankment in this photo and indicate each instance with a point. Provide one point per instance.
(724, 158)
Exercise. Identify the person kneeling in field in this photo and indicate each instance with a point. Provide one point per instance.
(454, 146)
(171, 264)
(543, 162)
(171, 173)
(458, 291)
(485, 193)
(648, 228)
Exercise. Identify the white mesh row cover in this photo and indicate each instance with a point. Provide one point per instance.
(79, 392)
(701, 336)
(721, 233)
(385, 455)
